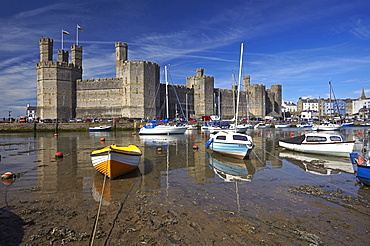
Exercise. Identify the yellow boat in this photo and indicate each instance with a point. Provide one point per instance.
(115, 160)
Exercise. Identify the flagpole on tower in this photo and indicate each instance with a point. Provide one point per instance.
(77, 35)
(62, 39)
(78, 29)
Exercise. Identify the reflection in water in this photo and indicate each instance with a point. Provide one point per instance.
(231, 169)
(162, 140)
(318, 164)
(116, 189)
(174, 168)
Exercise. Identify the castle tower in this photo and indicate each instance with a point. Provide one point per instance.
(140, 83)
(203, 92)
(56, 83)
(276, 99)
(121, 57)
(257, 100)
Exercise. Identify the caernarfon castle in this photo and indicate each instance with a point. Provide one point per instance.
(136, 91)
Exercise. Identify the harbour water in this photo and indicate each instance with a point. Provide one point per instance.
(180, 170)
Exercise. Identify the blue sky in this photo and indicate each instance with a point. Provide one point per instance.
(301, 45)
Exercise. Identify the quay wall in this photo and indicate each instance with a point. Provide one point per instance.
(52, 127)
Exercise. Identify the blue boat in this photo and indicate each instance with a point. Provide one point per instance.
(363, 168)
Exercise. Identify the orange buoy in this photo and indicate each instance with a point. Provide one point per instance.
(7, 175)
(159, 149)
(55, 135)
(195, 146)
(291, 134)
(359, 133)
(102, 139)
(59, 155)
(259, 131)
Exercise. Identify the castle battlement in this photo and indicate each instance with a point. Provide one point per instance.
(181, 86)
(46, 40)
(100, 80)
(57, 64)
(141, 62)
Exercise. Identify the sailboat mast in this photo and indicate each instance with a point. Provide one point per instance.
(165, 76)
(330, 101)
(239, 82)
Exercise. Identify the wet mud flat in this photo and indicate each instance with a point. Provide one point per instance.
(301, 215)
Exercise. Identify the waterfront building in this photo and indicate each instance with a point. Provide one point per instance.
(31, 113)
(136, 92)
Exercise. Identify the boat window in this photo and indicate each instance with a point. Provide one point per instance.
(238, 137)
(315, 139)
(335, 138)
(221, 137)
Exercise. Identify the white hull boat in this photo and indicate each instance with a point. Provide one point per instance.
(326, 127)
(154, 129)
(100, 128)
(282, 125)
(317, 143)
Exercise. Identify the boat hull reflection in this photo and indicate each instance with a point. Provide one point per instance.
(114, 190)
(231, 169)
(318, 164)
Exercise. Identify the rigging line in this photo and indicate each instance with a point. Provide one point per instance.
(309, 174)
(177, 97)
(335, 99)
(97, 215)
(178, 100)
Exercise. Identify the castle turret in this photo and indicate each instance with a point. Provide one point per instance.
(121, 56)
(63, 56)
(46, 49)
(76, 55)
(246, 81)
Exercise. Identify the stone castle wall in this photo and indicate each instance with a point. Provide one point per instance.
(136, 92)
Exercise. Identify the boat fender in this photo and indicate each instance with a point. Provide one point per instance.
(209, 143)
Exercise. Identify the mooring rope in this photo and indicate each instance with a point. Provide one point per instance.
(121, 206)
(97, 215)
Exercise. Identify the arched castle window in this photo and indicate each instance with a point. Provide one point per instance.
(137, 79)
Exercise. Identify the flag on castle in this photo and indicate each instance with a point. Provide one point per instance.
(65, 32)
(78, 29)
